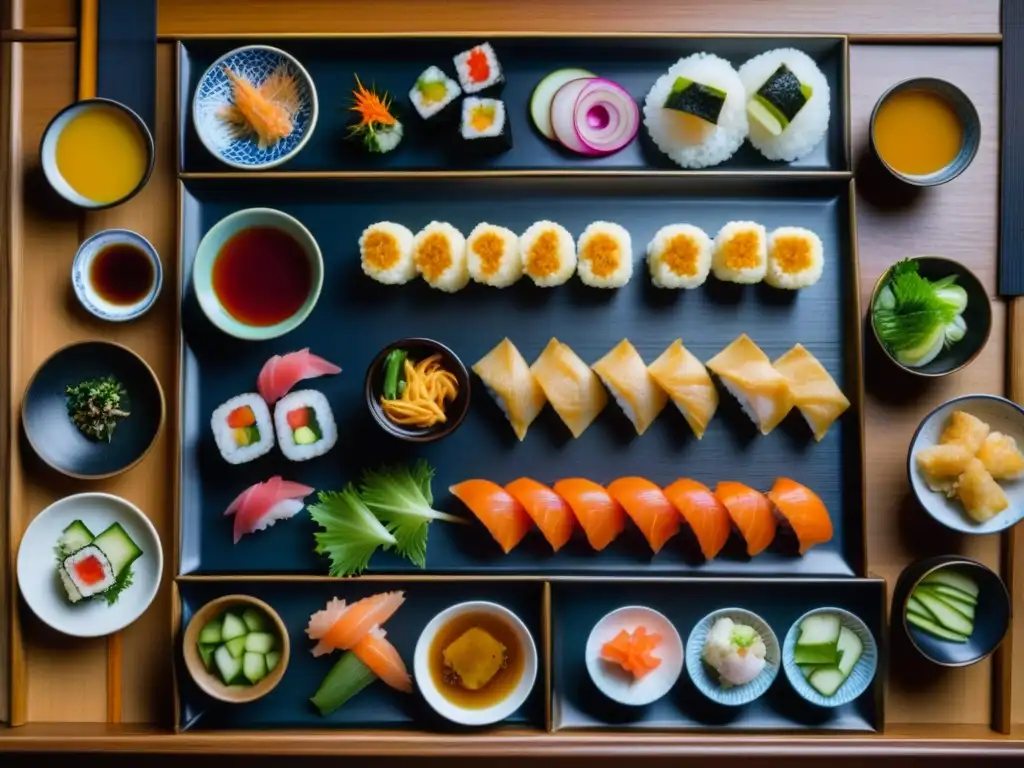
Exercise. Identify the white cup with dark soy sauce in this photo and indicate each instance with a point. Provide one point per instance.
(117, 275)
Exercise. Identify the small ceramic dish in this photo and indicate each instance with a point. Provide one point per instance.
(48, 151)
(214, 93)
(618, 684)
(487, 715)
(1001, 415)
(418, 349)
(56, 439)
(977, 316)
(210, 682)
(991, 615)
(967, 115)
(860, 676)
(706, 679)
(210, 247)
(37, 566)
(82, 280)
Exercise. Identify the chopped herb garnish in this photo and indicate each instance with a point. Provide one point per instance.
(123, 581)
(96, 406)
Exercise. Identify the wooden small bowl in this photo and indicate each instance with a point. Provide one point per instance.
(208, 681)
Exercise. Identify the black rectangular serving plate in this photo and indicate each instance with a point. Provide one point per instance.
(356, 317)
(393, 64)
(378, 706)
(577, 605)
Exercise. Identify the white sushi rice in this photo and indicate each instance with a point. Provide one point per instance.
(669, 253)
(439, 251)
(385, 251)
(305, 398)
(469, 106)
(225, 435)
(433, 75)
(753, 273)
(758, 409)
(541, 244)
(492, 255)
(777, 276)
(711, 70)
(86, 590)
(597, 275)
(807, 128)
(462, 69)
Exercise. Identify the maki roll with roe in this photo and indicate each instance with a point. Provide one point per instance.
(484, 126)
(479, 71)
(434, 97)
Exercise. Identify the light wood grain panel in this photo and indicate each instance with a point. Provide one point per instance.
(48, 13)
(956, 220)
(866, 16)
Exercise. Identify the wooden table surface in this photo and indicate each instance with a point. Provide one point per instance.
(957, 220)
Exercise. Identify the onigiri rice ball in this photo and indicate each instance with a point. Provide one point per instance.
(605, 254)
(385, 251)
(795, 258)
(548, 253)
(679, 256)
(492, 255)
(741, 252)
(669, 129)
(439, 251)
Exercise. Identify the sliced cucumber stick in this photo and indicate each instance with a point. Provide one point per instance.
(233, 627)
(851, 648)
(935, 629)
(259, 642)
(227, 665)
(272, 659)
(827, 680)
(211, 633)
(236, 646)
(206, 654)
(916, 606)
(255, 620)
(949, 618)
(952, 578)
(254, 667)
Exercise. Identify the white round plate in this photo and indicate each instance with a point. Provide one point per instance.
(618, 684)
(37, 565)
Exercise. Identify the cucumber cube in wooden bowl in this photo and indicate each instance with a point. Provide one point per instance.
(236, 648)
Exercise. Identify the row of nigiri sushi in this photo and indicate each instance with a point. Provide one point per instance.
(767, 391)
(508, 513)
(679, 255)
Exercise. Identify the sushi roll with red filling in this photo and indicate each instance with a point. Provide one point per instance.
(479, 70)
(484, 127)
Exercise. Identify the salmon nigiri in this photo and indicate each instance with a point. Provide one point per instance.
(601, 517)
(268, 111)
(339, 626)
(376, 652)
(751, 513)
(547, 509)
(803, 510)
(703, 512)
(502, 516)
(647, 507)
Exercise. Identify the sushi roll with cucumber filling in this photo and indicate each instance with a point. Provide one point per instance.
(695, 112)
(243, 429)
(484, 127)
(385, 252)
(787, 103)
(91, 566)
(479, 70)
(741, 253)
(439, 252)
(548, 252)
(305, 425)
(492, 255)
(679, 256)
(795, 258)
(434, 96)
(605, 254)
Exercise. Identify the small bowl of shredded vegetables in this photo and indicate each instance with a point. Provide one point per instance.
(417, 390)
(931, 315)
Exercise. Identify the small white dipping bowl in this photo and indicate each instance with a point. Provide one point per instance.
(453, 712)
(37, 565)
(81, 269)
(618, 684)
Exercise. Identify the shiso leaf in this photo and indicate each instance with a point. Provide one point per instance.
(351, 534)
(910, 308)
(121, 583)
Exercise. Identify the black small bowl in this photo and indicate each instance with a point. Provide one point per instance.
(418, 349)
(992, 616)
(977, 316)
(55, 438)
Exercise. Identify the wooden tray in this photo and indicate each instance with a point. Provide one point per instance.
(121, 708)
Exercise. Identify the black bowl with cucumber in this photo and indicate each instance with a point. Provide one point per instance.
(955, 611)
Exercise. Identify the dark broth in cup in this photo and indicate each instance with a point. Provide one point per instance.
(122, 274)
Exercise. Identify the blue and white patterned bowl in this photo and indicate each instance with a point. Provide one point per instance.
(706, 679)
(860, 676)
(213, 93)
(87, 294)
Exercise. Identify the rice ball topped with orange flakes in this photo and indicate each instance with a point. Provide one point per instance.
(385, 250)
(741, 252)
(439, 252)
(795, 258)
(548, 253)
(605, 254)
(492, 254)
(679, 256)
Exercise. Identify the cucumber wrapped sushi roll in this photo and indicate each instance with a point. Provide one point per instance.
(243, 428)
(305, 425)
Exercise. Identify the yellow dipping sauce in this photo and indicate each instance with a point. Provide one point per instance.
(102, 154)
(917, 132)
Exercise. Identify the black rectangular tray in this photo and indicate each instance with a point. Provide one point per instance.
(577, 605)
(378, 706)
(356, 317)
(393, 64)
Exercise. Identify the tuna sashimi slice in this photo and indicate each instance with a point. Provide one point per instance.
(282, 372)
(340, 627)
(261, 505)
(383, 660)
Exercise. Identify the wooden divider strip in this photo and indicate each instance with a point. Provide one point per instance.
(546, 653)
(87, 45)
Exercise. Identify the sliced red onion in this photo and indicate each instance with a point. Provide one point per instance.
(605, 116)
(563, 116)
